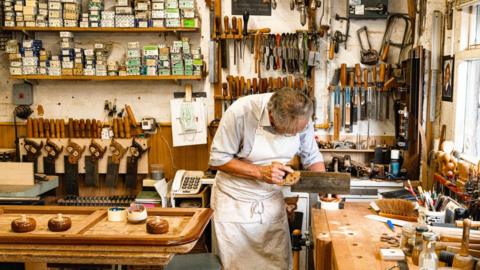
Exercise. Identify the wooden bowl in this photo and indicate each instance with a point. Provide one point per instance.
(23, 224)
(157, 225)
(59, 223)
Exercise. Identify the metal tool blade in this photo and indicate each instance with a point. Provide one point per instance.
(91, 171)
(323, 183)
(132, 172)
(112, 173)
(48, 166)
(70, 177)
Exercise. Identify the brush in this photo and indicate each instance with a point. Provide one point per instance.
(397, 208)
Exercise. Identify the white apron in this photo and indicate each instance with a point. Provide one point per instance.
(250, 219)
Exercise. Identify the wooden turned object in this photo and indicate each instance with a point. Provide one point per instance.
(292, 178)
(59, 223)
(157, 226)
(23, 224)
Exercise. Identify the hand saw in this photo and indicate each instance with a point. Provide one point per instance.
(319, 182)
(34, 151)
(53, 151)
(91, 163)
(71, 167)
(137, 152)
(118, 151)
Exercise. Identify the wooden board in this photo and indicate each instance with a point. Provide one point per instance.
(102, 164)
(91, 227)
(16, 173)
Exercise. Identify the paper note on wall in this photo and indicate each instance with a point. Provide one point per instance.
(189, 122)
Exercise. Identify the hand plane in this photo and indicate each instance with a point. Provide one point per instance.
(91, 163)
(137, 152)
(118, 151)
(53, 152)
(75, 152)
(34, 151)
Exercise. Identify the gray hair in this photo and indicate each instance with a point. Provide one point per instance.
(287, 106)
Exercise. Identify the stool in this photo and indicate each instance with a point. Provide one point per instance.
(200, 261)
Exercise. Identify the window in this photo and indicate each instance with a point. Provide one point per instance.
(468, 109)
(467, 85)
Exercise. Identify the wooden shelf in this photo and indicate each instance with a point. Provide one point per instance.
(347, 150)
(101, 29)
(106, 78)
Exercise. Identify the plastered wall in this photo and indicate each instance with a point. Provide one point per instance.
(83, 99)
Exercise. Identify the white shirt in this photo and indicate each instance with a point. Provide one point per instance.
(236, 133)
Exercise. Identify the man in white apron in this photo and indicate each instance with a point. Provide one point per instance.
(250, 220)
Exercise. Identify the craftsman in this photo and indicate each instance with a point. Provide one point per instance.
(257, 135)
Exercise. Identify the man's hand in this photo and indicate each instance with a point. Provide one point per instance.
(275, 173)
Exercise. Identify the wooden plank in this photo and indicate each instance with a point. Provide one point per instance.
(102, 29)
(323, 242)
(323, 182)
(16, 173)
(106, 78)
(35, 266)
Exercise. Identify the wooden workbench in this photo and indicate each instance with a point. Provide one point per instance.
(346, 240)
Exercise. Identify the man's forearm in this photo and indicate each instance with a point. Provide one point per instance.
(317, 167)
(242, 169)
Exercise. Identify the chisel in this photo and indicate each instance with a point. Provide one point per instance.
(29, 128)
(234, 32)
(76, 129)
(223, 44)
(126, 124)
(121, 129)
(58, 128)
(239, 34)
(246, 17)
(82, 128)
(255, 86)
(99, 128)
(88, 128)
(374, 93)
(348, 103)
(249, 87)
(225, 88)
(241, 90)
(34, 128)
(62, 128)
(115, 128)
(343, 83)
(381, 92)
(46, 126)
(364, 94)
(357, 110)
(53, 130)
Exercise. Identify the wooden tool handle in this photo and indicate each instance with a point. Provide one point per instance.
(234, 26)
(386, 49)
(71, 129)
(131, 116)
(76, 129)
(352, 79)
(365, 78)
(121, 128)
(40, 128)
(249, 86)
(237, 83)
(99, 128)
(255, 85)
(358, 74)
(128, 133)
(62, 129)
(29, 128)
(331, 50)
(242, 87)
(240, 26)
(35, 127)
(58, 128)
(343, 75)
(465, 237)
(382, 73)
(290, 82)
(270, 84)
(53, 130)
(94, 128)
(336, 121)
(88, 128)
(225, 89)
(218, 26)
(115, 128)
(46, 127)
(82, 128)
(374, 73)
(226, 27)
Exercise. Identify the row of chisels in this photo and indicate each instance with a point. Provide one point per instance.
(82, 128)
(74, 152)
(238, 86)
(360, 94)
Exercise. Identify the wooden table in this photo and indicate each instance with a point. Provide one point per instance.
(347, 240)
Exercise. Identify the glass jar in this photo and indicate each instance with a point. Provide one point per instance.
(408, 232)
(428, 259)
(418, 243)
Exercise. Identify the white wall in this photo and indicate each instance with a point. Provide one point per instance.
(63, 99)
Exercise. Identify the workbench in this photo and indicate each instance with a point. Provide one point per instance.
(347, 240)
